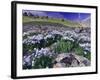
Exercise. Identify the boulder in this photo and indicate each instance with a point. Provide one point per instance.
(71, 60)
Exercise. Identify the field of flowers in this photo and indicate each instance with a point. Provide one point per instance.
(51, 43)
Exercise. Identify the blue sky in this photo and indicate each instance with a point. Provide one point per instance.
(66, 15)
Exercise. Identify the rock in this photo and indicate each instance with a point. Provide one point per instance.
(60, 57)
(75, 63)
(71, 60)
(59, 65)
(86, 62)
(82, 60)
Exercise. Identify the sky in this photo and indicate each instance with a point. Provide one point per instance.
(65, 15)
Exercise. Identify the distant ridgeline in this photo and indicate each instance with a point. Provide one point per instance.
(50, 21)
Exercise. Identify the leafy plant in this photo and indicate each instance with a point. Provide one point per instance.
(49, 42)
(78, 50)
(63, 46)
(88, 55)
(28, 48)
(43, 62)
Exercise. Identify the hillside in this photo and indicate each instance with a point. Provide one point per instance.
(28, 19)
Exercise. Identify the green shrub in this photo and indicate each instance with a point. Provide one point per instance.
(88, 55)
(43, 62)
(79, 51)
(49, 42)
(63, 46)
(28, 48)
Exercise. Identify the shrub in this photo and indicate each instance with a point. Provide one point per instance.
(79, 51)
(88, 55)
(28, 48)
(49, 42)
(43, 62)
(63, 46)
(62, 20)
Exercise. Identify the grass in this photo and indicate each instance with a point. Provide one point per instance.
(27, 19)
